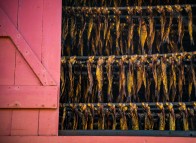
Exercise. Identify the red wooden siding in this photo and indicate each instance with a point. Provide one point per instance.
(30, 34)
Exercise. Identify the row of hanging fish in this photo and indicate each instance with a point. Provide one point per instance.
(128, 117)
(120, 2)
(129, 79)
(92, 31)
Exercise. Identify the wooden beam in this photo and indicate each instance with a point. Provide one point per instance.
(7, 28)
(28, 97)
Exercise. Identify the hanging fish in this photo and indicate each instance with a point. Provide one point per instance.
(190, 22)
(105, 12)
(172, 117)
(108, 48)
(78, 87)
(101, 117)
(181, 79)
(164, 77)
(63, 78)
(172, 82)
(161, 10)
(161, 116)
(148, 121)
(99, 77)
(90, 116)
(98, 31)
(184, 113)
(123, 119)
(109, 70)
(134, 116)
(113, 113)
(71, 78)
(167, 30)
(90, 77)
(117, 13)
(90, 26)
(122, 80)
(63, 118)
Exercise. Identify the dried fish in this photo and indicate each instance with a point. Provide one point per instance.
(161, 10)
(184, 113)
(90, 26)
(164, 78)
(190, 22)
(109, 69)
(90, 116)
(122, 80)
(161, 116)
(101, 117)
(167, 30)
(134, 116)
(99, 77)
(172, 118)
(123, 119)
(90, 77)
(71, 78)
(148, 121)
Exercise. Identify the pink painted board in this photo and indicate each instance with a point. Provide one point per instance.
(8, 29)
(10, 7)
(48, 123)
(25, 122)
(51, 47)
(5, 121)
(28, 97)
(94, 139)
(24, 75)
(7, 61)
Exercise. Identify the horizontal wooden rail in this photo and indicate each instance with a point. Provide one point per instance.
(28, 97)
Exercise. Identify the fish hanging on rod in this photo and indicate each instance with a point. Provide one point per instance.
(122, 80)
(105, 12)
(179, 9)
(108, 40)
(167, 30)
(141, 74)
(151, 33)
(109, 70)
(142, 30)
(63, 77)
(84, 116)
(131, 25)
(90, 110)
(78, 87)
(112, 109)
(75, 116)
(101, 117)
(99, 77)
(164, 78)
(134, 116)
(172, 77)
(161, 116)
(130, 80)
(191, 118)
(121, 40)
(123, 119)
(172, 117)
(90, 78)
(181, 79)
(90, 26)
(184, 114)
(148, 121)
(117, 13)
(190, 23)
(71, 62)
(73, 31)
(63, 118)
(161, 10)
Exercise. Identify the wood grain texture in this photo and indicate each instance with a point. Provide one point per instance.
(48, 122)
(28, 97)
(8, 29)
(25, 122)
(5, 121)
(7, 61)
(90, 139)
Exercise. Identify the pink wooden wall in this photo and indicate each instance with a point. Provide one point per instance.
(30, 34)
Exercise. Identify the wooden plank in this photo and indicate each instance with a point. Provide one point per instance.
(28, 97)
(51, 49)
(25, 122)
(5, 121)
(90, 139)
(7, 61)
(48, 122)
(23, 73)
(8, 29)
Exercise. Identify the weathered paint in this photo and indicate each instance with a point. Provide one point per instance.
(90, 139)
(30, 38)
